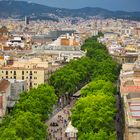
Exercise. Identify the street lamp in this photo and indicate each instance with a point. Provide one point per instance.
(66, 97)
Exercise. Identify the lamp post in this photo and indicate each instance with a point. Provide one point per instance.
(66, 98)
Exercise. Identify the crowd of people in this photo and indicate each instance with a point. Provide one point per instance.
(58, 124)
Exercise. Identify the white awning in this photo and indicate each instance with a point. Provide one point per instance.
(71, 129)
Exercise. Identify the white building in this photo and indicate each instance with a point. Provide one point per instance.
(16, 42)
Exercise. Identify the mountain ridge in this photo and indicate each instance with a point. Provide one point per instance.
(20, 9)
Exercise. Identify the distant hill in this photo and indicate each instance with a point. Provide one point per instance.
(20, 9)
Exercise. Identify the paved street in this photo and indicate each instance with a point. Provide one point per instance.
(62, 120)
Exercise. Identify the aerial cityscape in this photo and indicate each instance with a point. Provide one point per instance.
(69, 70)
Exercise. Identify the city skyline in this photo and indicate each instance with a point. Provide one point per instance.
(59, 70)
(106, 4)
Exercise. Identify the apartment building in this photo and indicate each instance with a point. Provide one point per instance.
(4, 93)
(130, 93)
(132, 116)
(66, 47)
(4, 35)
(33, 71)
(4, 32)
(130, 78)
(137, 32)
(124, 57)
(17, 87)
(9, 93)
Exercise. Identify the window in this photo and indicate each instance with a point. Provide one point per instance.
(22, 72)
(6, 72)
(11, 71)
(26, 77)
(2, 71)
(35, 77)
(26, 71)
(14, 77)
(35, 71)
(14, 72)
(30, 84)
(22, 77)
(6, 77)
(23, 88)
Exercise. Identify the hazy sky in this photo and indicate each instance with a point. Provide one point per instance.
(129, 5)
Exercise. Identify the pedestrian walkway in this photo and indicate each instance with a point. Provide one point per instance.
(58, 123)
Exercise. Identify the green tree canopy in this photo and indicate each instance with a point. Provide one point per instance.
(24, 125)
(98, 86)
(26, 122)
(92, 113)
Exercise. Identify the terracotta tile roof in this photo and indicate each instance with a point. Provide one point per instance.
(3, 30)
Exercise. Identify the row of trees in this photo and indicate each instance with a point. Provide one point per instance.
(94, 113)
(26, 121)
(72, 76)
(78, 72)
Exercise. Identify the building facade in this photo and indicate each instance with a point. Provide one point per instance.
(130, 93)
(132, 116)
(33, 71)
(4, 94)
(17, 87)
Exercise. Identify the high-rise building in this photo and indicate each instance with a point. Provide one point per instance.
(26, 20)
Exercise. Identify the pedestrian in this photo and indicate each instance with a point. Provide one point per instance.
(50, 135)
(61, 133)
(55, 137)
(64, 111)
(68, 113)
(65, 134)
(60, 128)
(62, 119)
(65, 121)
